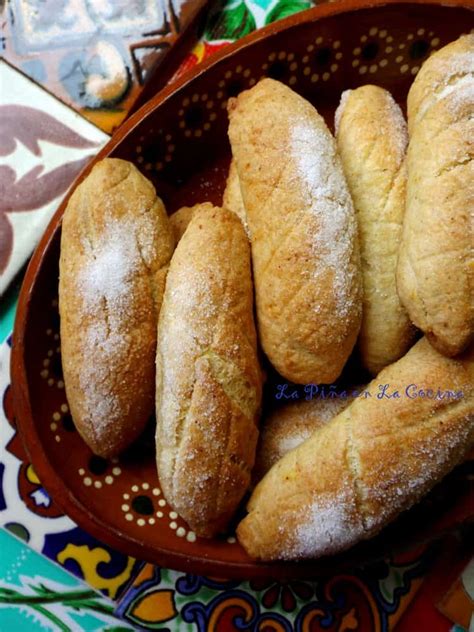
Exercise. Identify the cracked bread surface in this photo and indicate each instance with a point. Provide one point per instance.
(116, 243)
(303, 232)
(372, 461)
(372, 139)
(208, 387)
(435, 274)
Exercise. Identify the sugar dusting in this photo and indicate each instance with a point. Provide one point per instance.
(323, 185)
(105, 286)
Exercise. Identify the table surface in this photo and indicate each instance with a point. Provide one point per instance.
(55, 576)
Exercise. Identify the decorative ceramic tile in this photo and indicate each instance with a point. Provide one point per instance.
(27, 510)
(370, 599)
(36, 594)
(43, 146)
(94, 55)
(458, 603)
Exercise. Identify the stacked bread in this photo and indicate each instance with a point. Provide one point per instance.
(347, 243)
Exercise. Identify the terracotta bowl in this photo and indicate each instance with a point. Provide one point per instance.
(179, 140)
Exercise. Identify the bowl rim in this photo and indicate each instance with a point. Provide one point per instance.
(26, 427)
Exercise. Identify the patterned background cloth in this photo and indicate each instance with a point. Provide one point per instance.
(54, 576)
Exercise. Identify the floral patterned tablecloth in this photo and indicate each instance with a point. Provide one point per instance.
(54, 576)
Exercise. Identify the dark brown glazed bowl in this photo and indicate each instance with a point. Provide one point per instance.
(179, 140)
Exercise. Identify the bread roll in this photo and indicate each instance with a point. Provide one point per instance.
(289, 425)
(436, 262)
(179, 221)
(116, 243)
(208, 386)
(304, 238)
(375, 459)
(233, 196)
(372, 139)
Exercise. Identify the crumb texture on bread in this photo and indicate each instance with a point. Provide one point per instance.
(116, 243)
(208, 388)
(372, 140)
(374, 460)
(435, 274)
(303, 232)
(232, 199)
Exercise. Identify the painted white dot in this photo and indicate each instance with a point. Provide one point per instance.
(231, 540)
(53, 426)
(44, 373)
(414, 70)
(126, 496)
(404, 68)
(293, 66)
(159, 514)
(292, 81)
(337, 44)
(109, 480)
(46, 362)
(383, 63)
(373, 68)
(151, 521)
(60, 384)
(98, 484)
(338, 55)
(435, 41)
(50, 353)
(410, 37)
(389, 49)
(173, 515)
(87, 481)
(314, 78)
(162, 502)
(191, 537)
(399, 59)
(129, 517)
(125, 507)
(56, 336)
(363, 38)
(64, 408)
(156, 491)
(326, 76)
(383, 33)
(306, 71)
(49, 332)
(117, 471)
(57, 438)
(357, 50)
(173, 525)
(50, 381)
(362, 70)
(373, 31)
(140, 522)
(420, 32)
(389, 39)
(355, 63)
(135, 488)
(81, 471)
(334, 67)
(56, 416)
(145, 486)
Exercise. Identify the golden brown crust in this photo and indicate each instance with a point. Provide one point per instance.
(375, 459)
(208, 377)
(289, 426)
(435, 273)
(232, 199)
(179, 221)
(304, 239)
(372, 139)
(116, 243)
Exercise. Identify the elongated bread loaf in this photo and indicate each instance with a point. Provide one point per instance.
(304, 237)
(288, 426)
(116, 243)
(233, 196)
(436, 262)
(208, 386)
(372, 139)
(375, 459)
